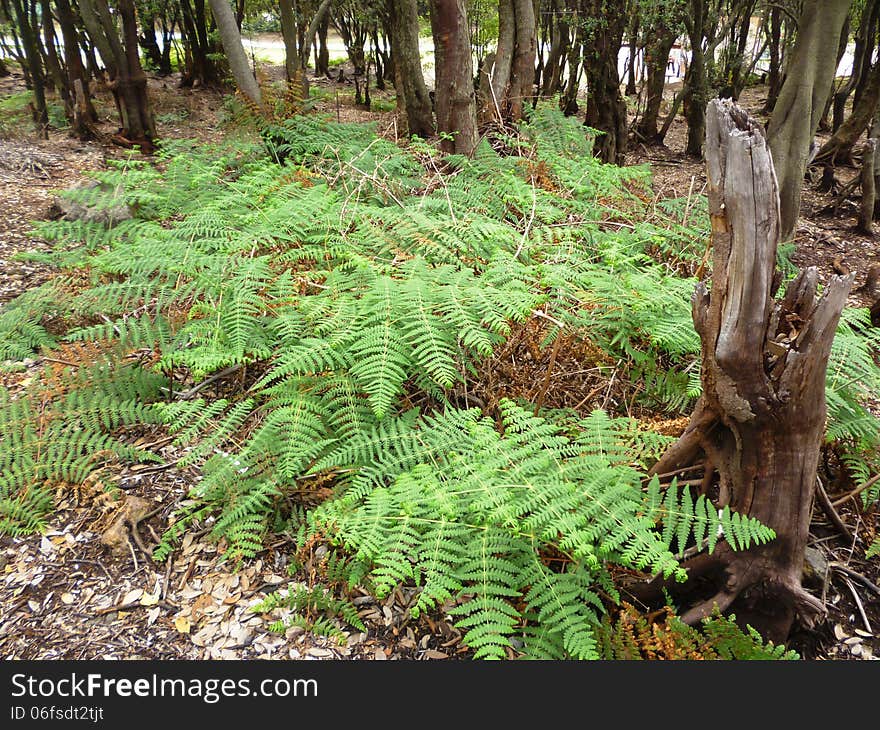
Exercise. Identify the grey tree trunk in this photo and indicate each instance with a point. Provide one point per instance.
(288, 36)
(801, 100)
(230, 37)
(759, 423)
(510, 71)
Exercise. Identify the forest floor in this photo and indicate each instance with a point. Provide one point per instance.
(71, 593)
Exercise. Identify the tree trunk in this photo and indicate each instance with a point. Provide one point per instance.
(802, 99)
(148, 42)
(760, 420)
(696, 91)
(568, 100)
(288, 36)
(511, 69)
(773, 73)
(412, 93)
(230, 37)
(34, 64)
(81, 112)
(132, 83)
(200, 68)
(657, 49)
(53, 64)
(866, 211)
(606, 107)
(631, 89)
(322, 62)
(829, 99)
(861, 58)
(127, 78)
(454, 77)
(839, 146)
(556, 58)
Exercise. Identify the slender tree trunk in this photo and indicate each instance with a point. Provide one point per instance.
(631, 89)
(555, 64)
(127, 79)
(53, 64)
(288, 36)
(568, 100)
(148, 42)
(802, 99)
(657, 50)
(511, 69)
(232, 45)
(606, 107)
(866, 212)
(759, 423)
(454, 77)
(773, 73)
(81, 112)
(839, 146)
(132, 84)
(841, 49)
(34, 64)
(696, 83)
(322, 63)
(412, 93)
(201, 68)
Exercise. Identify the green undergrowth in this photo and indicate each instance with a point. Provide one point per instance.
(352, 290)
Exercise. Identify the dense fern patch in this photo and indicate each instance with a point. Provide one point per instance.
(354, 290)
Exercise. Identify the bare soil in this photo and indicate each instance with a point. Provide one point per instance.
(74, 593)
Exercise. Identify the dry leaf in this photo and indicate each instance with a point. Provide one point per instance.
(182, 624)
(133, 595)
(149, 599)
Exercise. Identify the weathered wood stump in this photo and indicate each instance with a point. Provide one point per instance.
(759, 423)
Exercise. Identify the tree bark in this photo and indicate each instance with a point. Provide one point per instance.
(759, 422)
(802, 100)
(606, 107)
(127, 79)
(839, 146)
(631, 88)
(861, 58)
(773, 74)
(454, 77)
(34, 66)
(696, 92)
(288, 37)
(511, 69)
(866, 211)
(81, 112)
(409, 81)
(555, 64)
(657, 48)
(200, 68)
(230, 37)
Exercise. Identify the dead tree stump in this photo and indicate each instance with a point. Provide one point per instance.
(759, 423)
